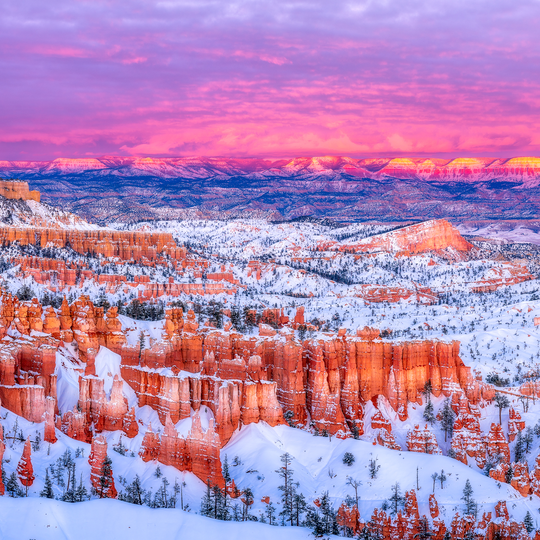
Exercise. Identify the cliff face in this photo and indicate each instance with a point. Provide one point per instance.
(122, 244)
(18, 191)
(270, 378)
(431, 235)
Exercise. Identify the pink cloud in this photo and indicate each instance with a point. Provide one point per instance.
(279, 78)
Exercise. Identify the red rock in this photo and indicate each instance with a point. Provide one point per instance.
(150, 446)
(227, 411)
(433, 506)
(515, 424)
(386, 439)
(2, 450)
(520, 478)
(467, 437)
(424, 237)
(323, 404)
(349, 517)
(75, 426)
(422, 440)
(50, 430)
(378, 421)
(96, 459)
(411, 504)
(18, 190)
(501, 511)
(25, 471)
(497, 446)
(535, 477)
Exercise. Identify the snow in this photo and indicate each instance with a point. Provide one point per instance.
(44, 519)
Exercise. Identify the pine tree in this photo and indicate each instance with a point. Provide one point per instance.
(247, 500)
(315, 522)
(207, 505)
(434, 477)
(373, 468)
(70, 494)
(299, 507)
(348, 459)
(528, 522)
(227, 477)
(470, 504)
(396, 500)
(442, 478)
(287, 489)
(81, 494)
(47, 490)
(270, 513)
(142, 342)
(429, 414)
(427, 391)
(502, 402)
(509, 474)
(105, 478)
(12, 486)
(328, 515)
(519, 448)
(448, 418)
(424, 532)
(528, 439)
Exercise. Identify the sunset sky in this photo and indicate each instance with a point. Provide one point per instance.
(269, 78)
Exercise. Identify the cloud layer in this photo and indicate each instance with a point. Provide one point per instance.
(269, 78)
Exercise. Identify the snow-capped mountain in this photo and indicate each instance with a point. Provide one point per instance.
(341, 188)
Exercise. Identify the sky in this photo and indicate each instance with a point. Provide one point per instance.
(272, 78)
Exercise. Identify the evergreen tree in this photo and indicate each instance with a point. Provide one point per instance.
(47, 490)
(528, 439)
(217, 498)
(227, 477)
(328, 515)
(528, 522)
(105, 478)
(502, 402)
(247, 500)
(287, 489)
(270, 513)
(429, 414)
(448, 418)
(424, 532)
(315, 522)
(142, 342)
(427, 391)
(299, 507)
(442, 478)
(434, 477)
(373, 468)
(207, 505)
(81, 494)
(70, 494)
(519, 448)
(467, 498)
(509, 474)
(348, 459)
(396, 500)
(12, 486)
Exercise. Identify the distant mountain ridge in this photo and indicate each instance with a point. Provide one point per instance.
(340, 188)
